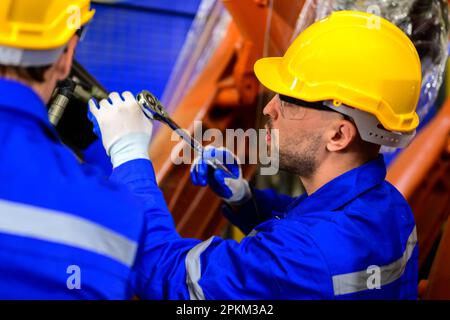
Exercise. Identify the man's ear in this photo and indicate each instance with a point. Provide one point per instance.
(63, 66)
(341, 135)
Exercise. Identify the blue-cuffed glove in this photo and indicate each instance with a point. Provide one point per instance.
(233, 190)
(122, 126)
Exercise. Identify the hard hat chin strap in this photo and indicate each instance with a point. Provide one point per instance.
(28, 58)
(371, 130)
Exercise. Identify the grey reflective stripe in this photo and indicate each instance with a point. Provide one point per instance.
(194, 270)
(252, 233)
(10, 56)
(357, 281)
(62, 228)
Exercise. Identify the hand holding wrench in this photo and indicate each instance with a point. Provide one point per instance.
(153, 109)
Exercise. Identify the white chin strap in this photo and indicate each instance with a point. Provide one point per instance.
(371, 130)
(28, 58)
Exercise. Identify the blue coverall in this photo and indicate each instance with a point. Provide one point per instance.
(54, 214)
(354, 238)
(61, 223)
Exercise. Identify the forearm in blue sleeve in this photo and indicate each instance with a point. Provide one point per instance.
(264, 205)
(159, 271)
(139, 177)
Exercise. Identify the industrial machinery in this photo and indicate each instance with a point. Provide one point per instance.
(68, 108)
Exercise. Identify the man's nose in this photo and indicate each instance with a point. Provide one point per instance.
(271, 110)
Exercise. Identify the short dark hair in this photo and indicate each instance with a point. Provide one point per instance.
(36, 74)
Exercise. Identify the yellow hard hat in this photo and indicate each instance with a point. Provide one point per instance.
(39, 25)
(352, 60)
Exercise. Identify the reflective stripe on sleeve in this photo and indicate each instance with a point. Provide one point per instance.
(194, 270)
(62, 228)
(357, 281)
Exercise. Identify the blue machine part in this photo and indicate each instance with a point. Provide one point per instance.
(133, 45)
(175, 6)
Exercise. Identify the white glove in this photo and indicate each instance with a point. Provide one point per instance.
(125, 131)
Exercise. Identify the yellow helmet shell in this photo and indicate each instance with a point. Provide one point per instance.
(349, 59)
(41, 24)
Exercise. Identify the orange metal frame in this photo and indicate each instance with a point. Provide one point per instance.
(224, 96)
(422, 174)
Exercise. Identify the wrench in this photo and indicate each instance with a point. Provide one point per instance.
(154, 110)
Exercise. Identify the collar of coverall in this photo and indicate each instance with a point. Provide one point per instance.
(343, 189)
(19, 98)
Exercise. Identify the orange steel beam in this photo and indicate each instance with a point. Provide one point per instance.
(196, 103)
(438, 284)
(251, 18)
(223, 96)
(193, 208)
(421, 173)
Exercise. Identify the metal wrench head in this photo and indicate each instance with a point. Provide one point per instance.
(151, 106)
(153, 109)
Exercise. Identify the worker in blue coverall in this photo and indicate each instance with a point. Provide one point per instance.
(65, 231)
(343, 88)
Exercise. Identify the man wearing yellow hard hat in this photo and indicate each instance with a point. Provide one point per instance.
(344, 88)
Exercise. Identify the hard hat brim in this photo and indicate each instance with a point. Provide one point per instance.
(268, 74)
(267, 71)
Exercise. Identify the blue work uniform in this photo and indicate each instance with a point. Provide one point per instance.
(65, 231)
(354, 238)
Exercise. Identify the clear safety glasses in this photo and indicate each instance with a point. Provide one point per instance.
(295, 109)
(81, 32)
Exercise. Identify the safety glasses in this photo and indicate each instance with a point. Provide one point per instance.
(295, 109)
(81, 32)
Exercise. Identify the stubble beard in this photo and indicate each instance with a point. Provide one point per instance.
(300, 161)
